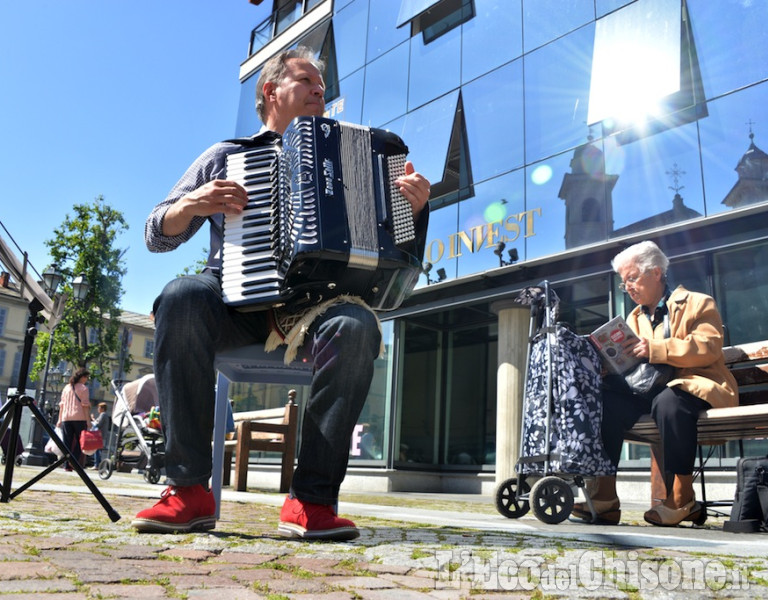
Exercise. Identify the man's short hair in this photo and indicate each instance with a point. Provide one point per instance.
(274, 71)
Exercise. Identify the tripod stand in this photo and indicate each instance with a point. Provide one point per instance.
(11, 412)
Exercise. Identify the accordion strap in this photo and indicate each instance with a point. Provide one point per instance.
(295, 337)
(257, 141)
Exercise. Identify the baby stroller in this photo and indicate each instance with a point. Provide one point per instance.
(136, 440)
(561, 447)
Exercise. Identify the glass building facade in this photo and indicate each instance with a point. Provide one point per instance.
(555, 133)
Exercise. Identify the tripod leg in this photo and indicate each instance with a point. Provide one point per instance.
(67, 454)
(10, 412)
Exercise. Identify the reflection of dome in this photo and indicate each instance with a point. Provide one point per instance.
(752, 183)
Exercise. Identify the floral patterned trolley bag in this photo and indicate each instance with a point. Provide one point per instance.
(562, 408)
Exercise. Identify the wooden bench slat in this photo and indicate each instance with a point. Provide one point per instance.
(260, 415)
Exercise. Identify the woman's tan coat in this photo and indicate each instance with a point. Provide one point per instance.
(694, 348)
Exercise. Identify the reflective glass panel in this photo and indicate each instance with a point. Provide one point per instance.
(349, 26)
(471, 397)
(349, 105)
(412, 8)
(492, 38)
(741, 280)
(247, 121)
(603, 7)
(419, 404)
(651, 171)
(443, 224)
(546, 211)
(725, 142)
(493, 111)
(691, 273)
(383, 35)
(557, 79)
(434, 67)
(546, 20)
(386, 87)
(495, 214)
(369, 441)
(636, 61)
(427, 132)
(732, 43)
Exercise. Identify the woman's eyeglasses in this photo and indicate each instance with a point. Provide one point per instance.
(629, 281)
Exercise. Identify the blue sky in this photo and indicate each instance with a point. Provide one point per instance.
(113, 98)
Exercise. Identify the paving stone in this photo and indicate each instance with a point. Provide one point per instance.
(25, 570)
(393, 569)
(392, 594)
(229, 594)
(144, 591)
(411, 581)
(365, 583)
(242, 558)
(35, 586)
(132, 551)
(314, 565)
(202, 581)
(186, 554)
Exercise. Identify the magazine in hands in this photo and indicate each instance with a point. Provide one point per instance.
(609, 339)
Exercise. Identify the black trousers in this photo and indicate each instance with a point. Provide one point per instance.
(675, 412)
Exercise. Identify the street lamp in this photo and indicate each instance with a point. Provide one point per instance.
(52, 278)
(80, 287)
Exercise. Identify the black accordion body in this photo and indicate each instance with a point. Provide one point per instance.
(324, 218)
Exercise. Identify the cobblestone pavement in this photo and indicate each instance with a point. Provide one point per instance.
(56, 541)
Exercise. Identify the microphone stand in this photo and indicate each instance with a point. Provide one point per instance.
(11, 413)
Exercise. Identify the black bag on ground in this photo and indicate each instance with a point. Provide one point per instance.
(750, 505)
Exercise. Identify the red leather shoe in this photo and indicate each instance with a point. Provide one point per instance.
(314, 522)
(180, 509)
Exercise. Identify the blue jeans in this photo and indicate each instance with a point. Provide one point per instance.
(193, 324)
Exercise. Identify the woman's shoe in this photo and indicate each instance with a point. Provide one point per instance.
(663, 516)
(608, 512)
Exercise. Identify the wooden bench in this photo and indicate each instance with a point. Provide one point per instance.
(747, 421)
(268, 430)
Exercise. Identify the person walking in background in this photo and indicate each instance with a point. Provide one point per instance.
(102, 423)
(73, 414)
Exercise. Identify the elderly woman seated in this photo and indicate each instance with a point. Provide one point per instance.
(700, 381)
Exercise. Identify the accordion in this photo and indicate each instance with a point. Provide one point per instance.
(323, 218)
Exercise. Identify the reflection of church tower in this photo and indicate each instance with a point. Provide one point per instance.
(678, 212)
(588, 194)
(752, 184)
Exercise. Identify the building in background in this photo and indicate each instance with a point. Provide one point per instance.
(137, 335)
(554, 134)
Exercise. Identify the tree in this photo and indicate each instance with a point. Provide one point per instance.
(84, 245)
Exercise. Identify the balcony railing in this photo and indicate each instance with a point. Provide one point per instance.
(286, 14)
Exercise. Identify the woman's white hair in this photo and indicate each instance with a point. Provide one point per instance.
(645, 255)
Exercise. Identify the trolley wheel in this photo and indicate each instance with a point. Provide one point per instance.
(105, 468)
(551, 500)
(507, 502)
(152, 475)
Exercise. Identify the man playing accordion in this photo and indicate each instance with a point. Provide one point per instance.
(193, 323)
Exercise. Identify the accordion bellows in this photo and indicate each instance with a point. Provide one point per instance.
(324, 218)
